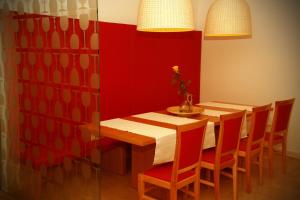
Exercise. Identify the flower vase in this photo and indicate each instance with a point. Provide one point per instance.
(187, 105)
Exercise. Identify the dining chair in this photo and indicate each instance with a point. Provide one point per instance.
(278, 132)
(224, 155)
(252, 146)
(185, 168)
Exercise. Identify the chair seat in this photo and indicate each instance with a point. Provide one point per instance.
(164, 172)
(243, 145)
(276, 137)
(209, 155)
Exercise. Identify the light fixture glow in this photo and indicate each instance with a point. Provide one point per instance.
(165, 16)
(228, 18)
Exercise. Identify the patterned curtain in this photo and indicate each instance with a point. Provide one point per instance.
(49, 85)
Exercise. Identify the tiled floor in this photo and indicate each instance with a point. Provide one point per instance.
(115, 187)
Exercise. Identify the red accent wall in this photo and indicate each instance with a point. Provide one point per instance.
(136, 69)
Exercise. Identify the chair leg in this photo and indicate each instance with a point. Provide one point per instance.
(173, 193)
(260, 165)
(141, 186)
(234, 181)
(270, 157)
(283, 156)
(217, 183)
(248, 174)
(197, 188)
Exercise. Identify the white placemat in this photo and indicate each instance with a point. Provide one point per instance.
(165, 137)
(227, 105)
(209, 139)
(166, 118)
(218, 113)
(214, 113)
(270, 121)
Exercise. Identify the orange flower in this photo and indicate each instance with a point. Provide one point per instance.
(175, 69)
(182, 85)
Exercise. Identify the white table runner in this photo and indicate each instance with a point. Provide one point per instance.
(270, 120)
(166, 118)
(165, 137)
(218, 113)
(214, 113)
(227, 105)
(209, 139)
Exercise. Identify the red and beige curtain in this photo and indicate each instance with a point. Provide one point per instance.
(49, 84)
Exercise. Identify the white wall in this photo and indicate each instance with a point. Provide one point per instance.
(259, 70)
(118, 11)
(126, 11)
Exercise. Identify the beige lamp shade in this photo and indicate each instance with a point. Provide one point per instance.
(165, 16)
(228, 18)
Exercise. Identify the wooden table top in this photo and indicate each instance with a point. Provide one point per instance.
(123, 136)
(141, 140)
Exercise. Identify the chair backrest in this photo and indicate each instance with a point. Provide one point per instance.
(282, 115)
(259, 120)
(229, 134)
(189, 143)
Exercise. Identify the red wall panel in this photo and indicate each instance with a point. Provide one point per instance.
(136, 68)
(115, 42)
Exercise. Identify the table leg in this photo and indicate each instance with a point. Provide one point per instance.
(142, 159)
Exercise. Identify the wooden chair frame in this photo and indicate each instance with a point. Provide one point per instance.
(250, 153)
(271, 142)
(175, 185)
(218, 166)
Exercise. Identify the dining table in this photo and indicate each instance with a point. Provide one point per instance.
(140, 131)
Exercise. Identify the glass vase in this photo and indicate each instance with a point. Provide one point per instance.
(187, 105)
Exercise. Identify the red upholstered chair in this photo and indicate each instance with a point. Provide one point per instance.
(253, 145)
(278, 132)
(224, 155)
(185, 168)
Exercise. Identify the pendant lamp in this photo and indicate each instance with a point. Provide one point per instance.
(165, 16)
(228, 18)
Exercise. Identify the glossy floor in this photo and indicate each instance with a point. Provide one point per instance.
(115, 187)
(277, 188)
